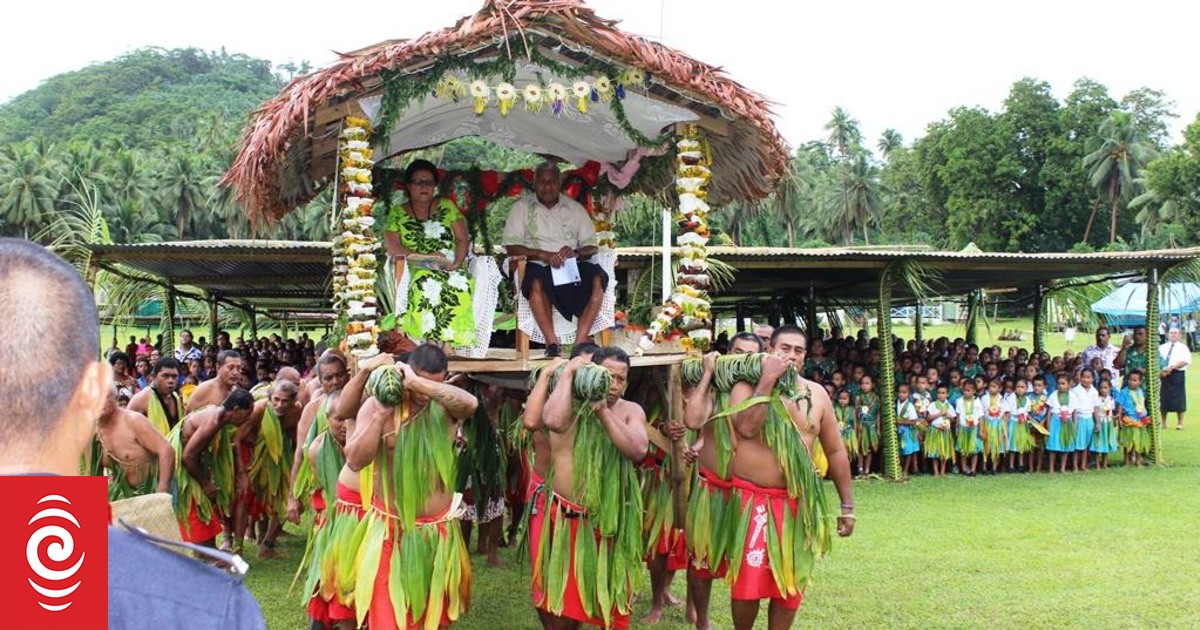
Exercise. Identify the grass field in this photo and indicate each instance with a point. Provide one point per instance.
(1113, 549)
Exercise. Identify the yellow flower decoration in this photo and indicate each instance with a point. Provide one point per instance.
(534, 97)
(481, 93)
(582, 92)
(506, 94)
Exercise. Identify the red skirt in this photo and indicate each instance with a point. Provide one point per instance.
(755, 580)
(254, 506)
(712, 483)
(382, 615)
(572, 606)
(201, 532)
(320, 609)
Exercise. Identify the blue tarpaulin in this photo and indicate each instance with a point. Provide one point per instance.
(1126, 306)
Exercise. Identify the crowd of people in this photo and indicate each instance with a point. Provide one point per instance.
(586, 481)
(969, 410)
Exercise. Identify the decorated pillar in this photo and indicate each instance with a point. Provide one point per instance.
(1153, 380)
(167, 322)
(214, 326)
(252, 313)
(354, 243)
(810, 316)
(972, 314)
(890, 447)
(689, 306)
(919, 325)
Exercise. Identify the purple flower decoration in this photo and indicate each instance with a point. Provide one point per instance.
(620, 91)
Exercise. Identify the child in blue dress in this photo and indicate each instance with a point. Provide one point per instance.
(1104, 441)
(969, 411)
(906, 428)
(1039, 412)
(1061, 440)
(1085, 400)
(1134, 437)
(843, 410)
(994, 431)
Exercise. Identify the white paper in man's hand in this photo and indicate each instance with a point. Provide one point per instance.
(568, 273)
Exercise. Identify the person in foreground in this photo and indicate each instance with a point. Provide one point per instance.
(592, 514)
(49, 420)
(410, 447)
(776, 483)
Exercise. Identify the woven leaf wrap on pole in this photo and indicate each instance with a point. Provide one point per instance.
(887, 378)
(1153, 381)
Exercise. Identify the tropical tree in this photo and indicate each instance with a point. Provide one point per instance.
(844, 134)
(889, 142)
(852, 200)
(1123, 150)
(28, 186)
(183, 188)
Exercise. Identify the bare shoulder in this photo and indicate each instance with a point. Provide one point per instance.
(629, 410)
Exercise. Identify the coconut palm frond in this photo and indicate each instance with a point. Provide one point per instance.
(385, 287)
(1187, 271)
(721, 274)
(919, 279)
(1077, 296)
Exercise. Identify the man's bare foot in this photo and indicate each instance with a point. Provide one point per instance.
(690, 613)
(654, 616)
(671, 601)
(269, 552)
(494, 560)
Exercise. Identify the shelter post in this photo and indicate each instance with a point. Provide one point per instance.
(213, 325)
(167, 323)
(918, 325)
(1039, 320)
(252, 313)
(93, 268)
(1153, 380)
(887, 379)
(972, 314)
(741, 317)
(814, 331)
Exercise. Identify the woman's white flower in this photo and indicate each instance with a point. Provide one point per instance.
(447, 253)
(447, 334)
(557, 92)
(434, 229)
(506, 92)
(603, 85)
(432, 290)
(633, 76)
(581, 89)
(479, 89)
(458, 282)
(428, 321)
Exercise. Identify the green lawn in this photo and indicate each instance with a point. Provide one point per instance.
(1111, 549)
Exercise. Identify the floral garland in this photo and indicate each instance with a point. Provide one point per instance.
(690, 304)
(536, 96)
(354, 247)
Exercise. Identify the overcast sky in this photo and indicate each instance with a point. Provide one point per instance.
(891, 64)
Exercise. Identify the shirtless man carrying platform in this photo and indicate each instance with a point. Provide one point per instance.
(411, 449)
(207, 475)
(262, 453)
(764, 489)
(622, 444)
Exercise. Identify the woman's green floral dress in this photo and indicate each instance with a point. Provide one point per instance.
(439, 302)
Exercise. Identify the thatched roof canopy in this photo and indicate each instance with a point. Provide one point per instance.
(287, 152)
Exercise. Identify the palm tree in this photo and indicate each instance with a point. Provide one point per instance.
(854, 203)
(889, 142)
(844, 133)
(1152, 209)
(127, 178)
(182, 188)
(1123, 150)
(28, 186)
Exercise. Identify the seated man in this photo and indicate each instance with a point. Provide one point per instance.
(550, 228)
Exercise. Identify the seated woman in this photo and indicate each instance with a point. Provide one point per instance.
(431, 234)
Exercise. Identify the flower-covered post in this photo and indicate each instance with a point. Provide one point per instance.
(689, 305)
(354, 243)
(1153, 380)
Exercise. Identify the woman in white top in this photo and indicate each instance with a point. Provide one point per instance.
(1175, 360)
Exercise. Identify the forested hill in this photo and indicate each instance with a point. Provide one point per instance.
(147, 97)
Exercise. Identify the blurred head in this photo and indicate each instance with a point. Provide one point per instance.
(1134, 379)
(1039, 385)
(429, 362)
(120, 363)
(166, 375)
(943, 393)
(1087, 378)
(787, 343)
(993, 386)
(331, 372)
(765, 333)
(185, 338)
(236, 407)
(1139, 335)
(229, 368)
(745, 343)
(50, 405)
(1173, 334)
(843, 397)
(547, 183)
(616, 362)
(902, 391)
(1064, 382)
(867, 384)
(1102, 337)
(337, 424)
(421, 180)
(968, 388)
(585, 350)
(283, 396)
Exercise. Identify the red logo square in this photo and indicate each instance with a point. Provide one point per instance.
(54, 551)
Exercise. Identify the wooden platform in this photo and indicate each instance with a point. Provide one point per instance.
(502, 367)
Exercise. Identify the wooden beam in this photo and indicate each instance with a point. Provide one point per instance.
(334, 113)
